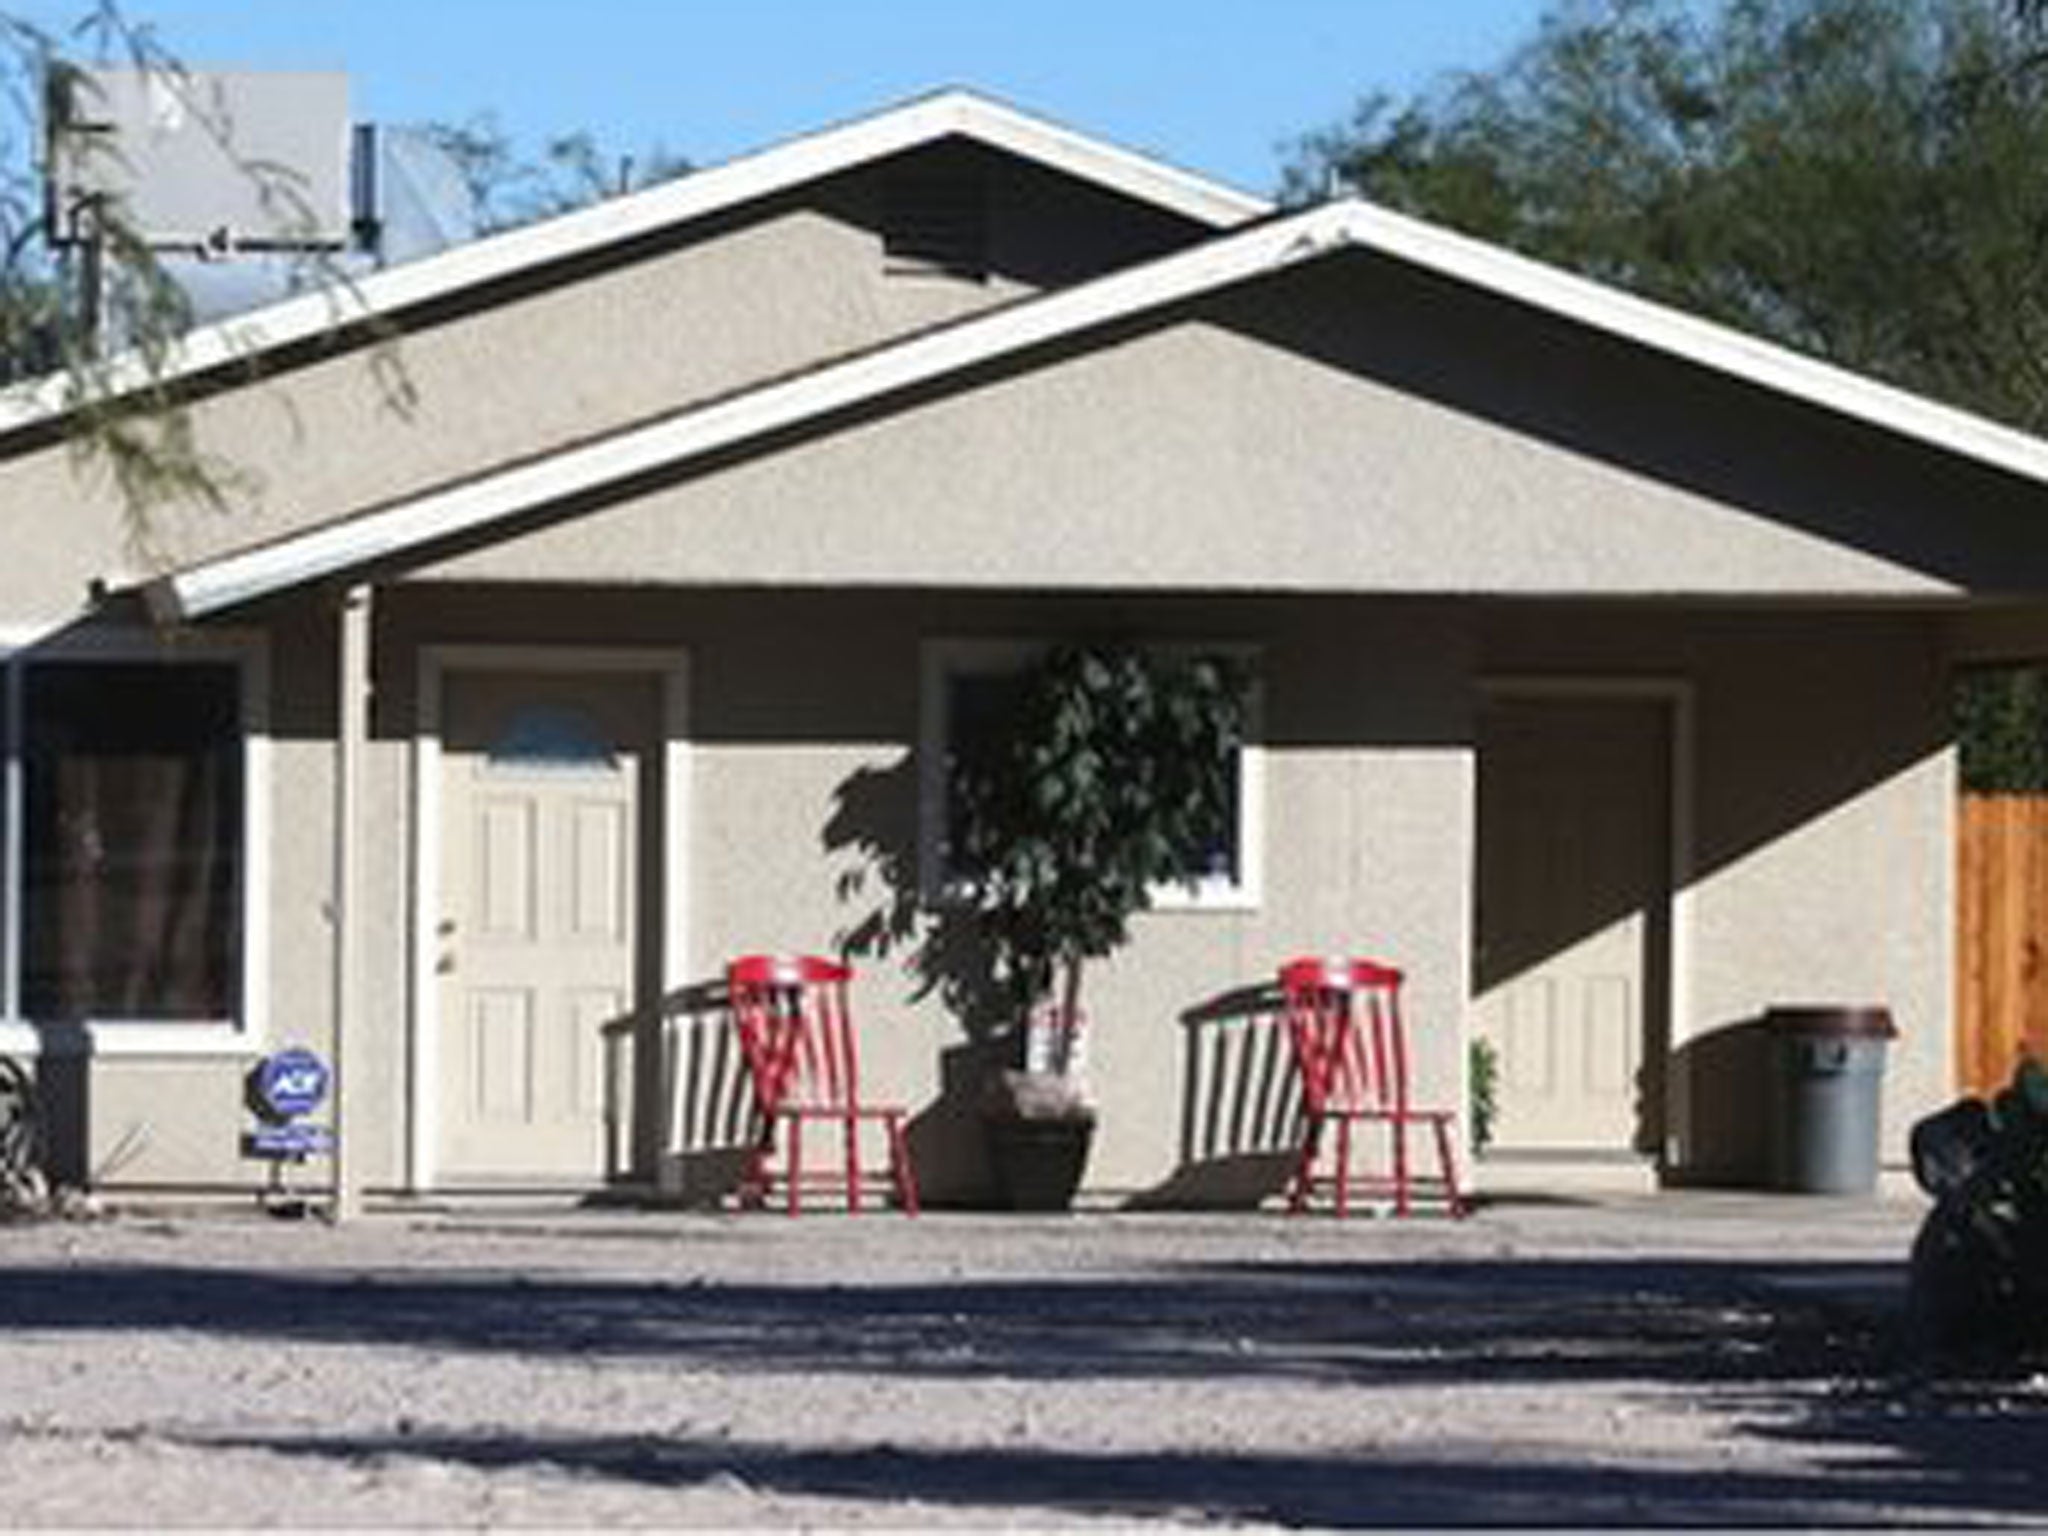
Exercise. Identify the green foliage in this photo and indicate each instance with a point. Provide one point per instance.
(111, 358)
(2001, 726)
(1115, 774)
(1980, 1263)
(1860, 179)
(572, 171)
(1482, 1071)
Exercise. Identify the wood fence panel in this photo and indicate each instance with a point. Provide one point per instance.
(2001, 936)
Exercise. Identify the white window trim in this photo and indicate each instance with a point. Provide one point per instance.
(940, 659)
(242, 1035)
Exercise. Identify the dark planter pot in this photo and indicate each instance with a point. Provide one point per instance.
(1038, 1163)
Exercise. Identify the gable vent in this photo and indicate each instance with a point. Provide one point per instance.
(935, 227)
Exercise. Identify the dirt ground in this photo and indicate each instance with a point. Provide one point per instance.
(1688, 1359)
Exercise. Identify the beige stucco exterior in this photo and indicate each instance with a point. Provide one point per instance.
(1132, 465)
(1398, 496)
(444, 391)
(1370, 767)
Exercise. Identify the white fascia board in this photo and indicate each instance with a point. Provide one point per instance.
(1705, 342)
(215, 585)
(243, 338)
(1140, 177)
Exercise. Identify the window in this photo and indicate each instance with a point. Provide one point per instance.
(969, 688)
(133, 812)
(546, 738)
(132, 840)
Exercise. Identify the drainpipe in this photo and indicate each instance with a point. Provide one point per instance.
(352, 725)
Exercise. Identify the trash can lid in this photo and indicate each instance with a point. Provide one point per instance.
(1855, 1023)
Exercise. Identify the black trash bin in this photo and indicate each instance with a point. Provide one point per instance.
(1827, 1072)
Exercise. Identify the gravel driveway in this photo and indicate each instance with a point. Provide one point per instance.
(1701, 1359)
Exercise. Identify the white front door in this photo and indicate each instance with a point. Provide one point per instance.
(543, 781)
(1572, 962)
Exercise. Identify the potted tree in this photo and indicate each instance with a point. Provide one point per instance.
(1111, 775)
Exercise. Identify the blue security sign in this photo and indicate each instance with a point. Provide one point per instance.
(294, 1140)
(289, 1083)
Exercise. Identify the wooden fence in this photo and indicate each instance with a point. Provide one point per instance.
(2001, 936)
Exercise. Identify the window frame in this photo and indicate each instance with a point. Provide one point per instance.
(248, 654)
(941, 660)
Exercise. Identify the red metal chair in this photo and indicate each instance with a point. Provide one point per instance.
(798, 1040)
(1351, 1050)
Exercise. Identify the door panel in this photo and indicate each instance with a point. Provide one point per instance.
(544, 777)
(1573, 920)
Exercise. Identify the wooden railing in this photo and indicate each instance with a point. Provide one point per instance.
(2001, 936)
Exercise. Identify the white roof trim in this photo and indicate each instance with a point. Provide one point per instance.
(394, 530)
(702, 192)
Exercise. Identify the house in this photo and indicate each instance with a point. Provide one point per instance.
(604, 602)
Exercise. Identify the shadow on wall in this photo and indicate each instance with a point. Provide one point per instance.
(1238, 1102)
(46, 1111)
(872, 834)
(707, 1095)
(1240, 1120)
(711, 1120)
(1719, 1100)
(63, 1107)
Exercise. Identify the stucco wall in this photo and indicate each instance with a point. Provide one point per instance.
(804, 717)
(1822, 868)
(1344, 429)
(557, 356)
(1820, 820)
(1394, 450)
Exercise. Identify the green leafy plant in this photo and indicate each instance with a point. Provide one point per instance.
(1859, 179)
(1113, 775)
(1980, 1262)
(1482, 1071)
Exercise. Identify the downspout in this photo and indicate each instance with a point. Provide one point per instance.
(352, 712)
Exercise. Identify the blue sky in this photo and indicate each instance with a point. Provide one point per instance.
(1220, 86)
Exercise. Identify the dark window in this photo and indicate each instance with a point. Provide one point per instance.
(935, 226)
(133, 814)
(980, 706)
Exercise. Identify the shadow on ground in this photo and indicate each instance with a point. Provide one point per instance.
(1758, 1341)
(1467, 1486)
(1377, 1323)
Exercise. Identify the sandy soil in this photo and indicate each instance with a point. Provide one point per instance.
(1687, 1360)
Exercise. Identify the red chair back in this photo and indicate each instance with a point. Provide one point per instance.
(796, 1030)
(1344, 1023)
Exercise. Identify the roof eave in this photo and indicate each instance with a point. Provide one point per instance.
(616, 221)
(392, 532)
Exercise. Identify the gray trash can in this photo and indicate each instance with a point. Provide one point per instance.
(1827, 1069)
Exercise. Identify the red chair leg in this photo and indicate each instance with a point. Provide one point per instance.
(852, 1166)
(1452, 1194)
(1304, 1169)
(900, 1170)
(754, 1172)
(1400, 1128)
(796, 1164)
(1343, 1166)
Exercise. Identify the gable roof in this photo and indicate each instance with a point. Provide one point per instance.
(946, 114)
(475, 505)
